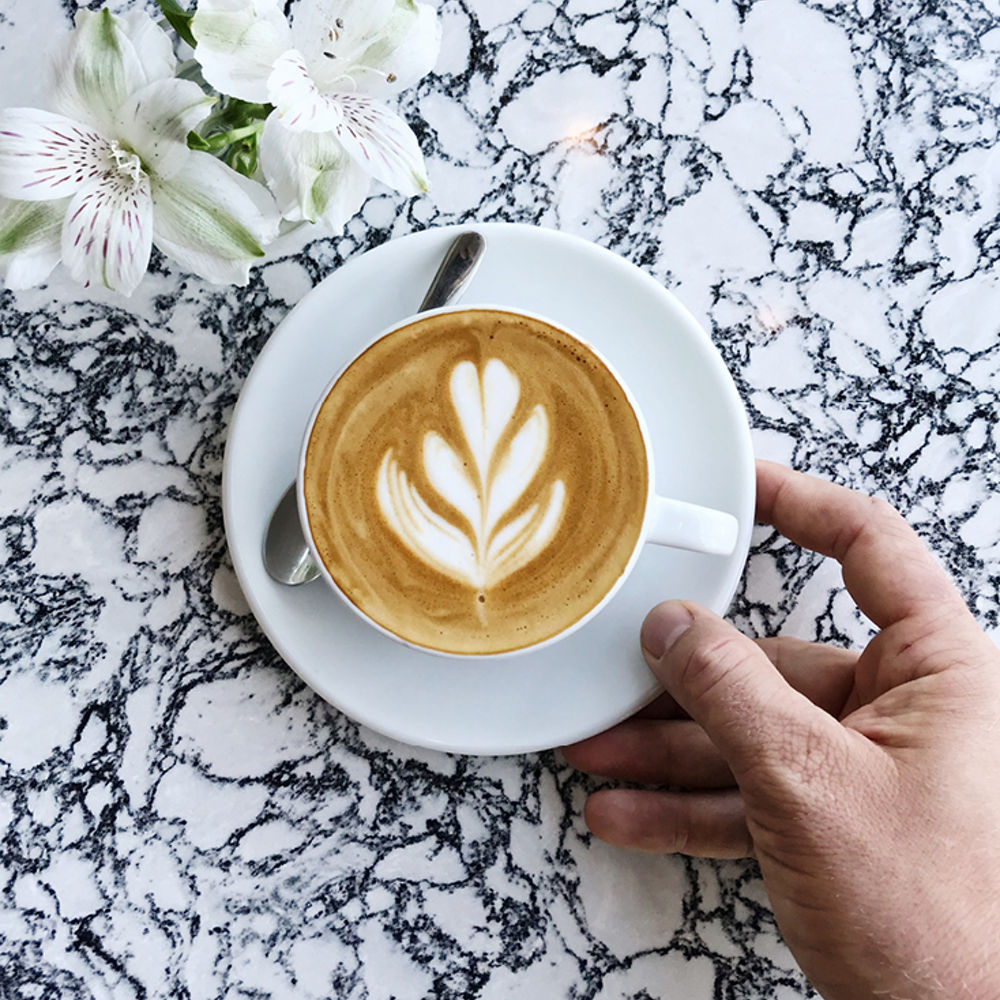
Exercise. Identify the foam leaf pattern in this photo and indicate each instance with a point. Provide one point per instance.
(427, 534)
(486, 546)
(485, 406)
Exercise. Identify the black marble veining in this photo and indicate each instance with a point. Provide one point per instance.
(179, 816)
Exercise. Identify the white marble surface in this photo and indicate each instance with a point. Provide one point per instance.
(179, 816)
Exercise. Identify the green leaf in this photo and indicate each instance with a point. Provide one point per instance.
(231, 115)
(179, 19)
(231, 132)
(195, 141)
(242, 157)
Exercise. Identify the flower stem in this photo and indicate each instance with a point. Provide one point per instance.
(222, 139)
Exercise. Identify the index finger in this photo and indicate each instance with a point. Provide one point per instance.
(887, 569)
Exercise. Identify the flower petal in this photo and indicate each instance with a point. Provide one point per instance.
(45, 156)
(153, 46)
(382, 143)
(98, 66)
(379, 140)
(29, 240)
(311, 175)
(238, 42)
(406, 50)
(213, 221)
(155, 122)
(337, 32)
(375, 46)
(108, 230)
(300, 104)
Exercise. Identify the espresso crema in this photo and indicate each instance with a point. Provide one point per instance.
(476, 481)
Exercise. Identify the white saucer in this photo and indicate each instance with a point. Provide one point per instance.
(594, 678)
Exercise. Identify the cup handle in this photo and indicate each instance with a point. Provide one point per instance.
(684, 525)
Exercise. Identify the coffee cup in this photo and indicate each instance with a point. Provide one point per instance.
(479, 482)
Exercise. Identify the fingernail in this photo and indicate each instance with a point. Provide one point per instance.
(663, 626)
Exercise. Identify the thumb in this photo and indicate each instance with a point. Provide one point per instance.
(726, 683)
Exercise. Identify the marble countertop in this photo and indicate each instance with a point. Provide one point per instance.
(819, 183)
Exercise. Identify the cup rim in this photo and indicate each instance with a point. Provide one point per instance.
(637, 548)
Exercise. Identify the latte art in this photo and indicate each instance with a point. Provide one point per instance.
(479, 552)
(475, 482)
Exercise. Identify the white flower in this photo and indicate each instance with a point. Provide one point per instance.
(99, 183)
(328, 134)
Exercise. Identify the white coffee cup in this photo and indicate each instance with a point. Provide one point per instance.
(666, 521)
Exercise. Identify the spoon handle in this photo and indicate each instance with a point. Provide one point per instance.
(456, 270)
(286, 554)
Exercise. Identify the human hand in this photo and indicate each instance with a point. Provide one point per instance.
(867, 786)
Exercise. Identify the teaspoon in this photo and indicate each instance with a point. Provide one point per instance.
(286, 555)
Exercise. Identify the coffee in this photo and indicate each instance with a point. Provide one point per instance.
(476, 481)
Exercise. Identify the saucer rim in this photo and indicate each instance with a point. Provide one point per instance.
(561, 243)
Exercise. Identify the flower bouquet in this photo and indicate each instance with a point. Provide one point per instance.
(206, 133)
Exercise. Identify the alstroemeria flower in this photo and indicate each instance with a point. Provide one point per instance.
(97, 184)
(323, 73)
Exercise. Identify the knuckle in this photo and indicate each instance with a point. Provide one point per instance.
(873, 515)
(710, 663)
(881, 515)
(920, 646)
(912, 650)
(880, 509)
